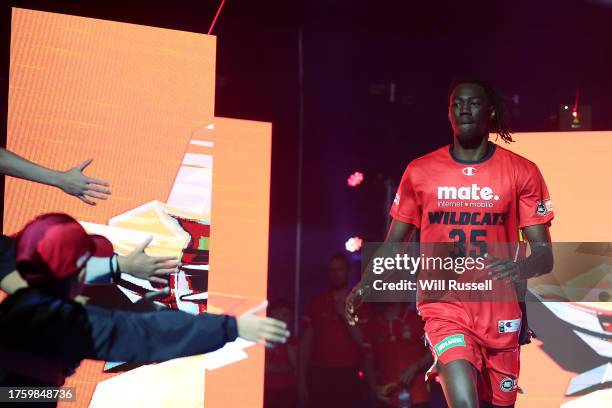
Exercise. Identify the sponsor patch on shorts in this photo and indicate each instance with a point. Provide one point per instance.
(508, 326)
(455, 340)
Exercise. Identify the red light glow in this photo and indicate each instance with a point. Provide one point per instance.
(355, 179)
(353, 244)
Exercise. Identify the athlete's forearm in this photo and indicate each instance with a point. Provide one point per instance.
(539, 262)
(398, 232)
(386, 251)
(16, 166)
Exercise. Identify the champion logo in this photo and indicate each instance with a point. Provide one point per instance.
(469, 171)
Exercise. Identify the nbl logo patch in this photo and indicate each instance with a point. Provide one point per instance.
(544, 207)
(507, 384)
(541, 209)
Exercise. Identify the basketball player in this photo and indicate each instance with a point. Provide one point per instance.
(475, 344)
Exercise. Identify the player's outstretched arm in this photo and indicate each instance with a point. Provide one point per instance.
(71, 181)
(398, 232)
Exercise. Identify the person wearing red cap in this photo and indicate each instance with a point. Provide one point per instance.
(99, 270)
(46, 334)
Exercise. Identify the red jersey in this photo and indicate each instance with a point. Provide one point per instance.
(474, 203)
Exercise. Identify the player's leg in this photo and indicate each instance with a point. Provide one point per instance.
(459, 383)
(457, 354)
(500, 377)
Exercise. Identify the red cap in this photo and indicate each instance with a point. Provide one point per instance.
(56, 246)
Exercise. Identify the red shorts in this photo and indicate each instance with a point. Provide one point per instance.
(498, 369)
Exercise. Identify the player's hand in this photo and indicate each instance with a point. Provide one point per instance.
(501, 269)
(353, 301)
(263, 330)
(75, 183)
(155, 269)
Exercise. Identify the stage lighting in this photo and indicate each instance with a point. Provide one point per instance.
(355, 179)
(353, 244)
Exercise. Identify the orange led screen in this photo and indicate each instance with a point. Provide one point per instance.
(576, 167)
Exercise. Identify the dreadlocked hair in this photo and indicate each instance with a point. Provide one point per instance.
(500, 120)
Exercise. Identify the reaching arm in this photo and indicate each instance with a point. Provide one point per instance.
(398, 232)
(72, 181)
(156, 336)
(97, 333)
(16, 166)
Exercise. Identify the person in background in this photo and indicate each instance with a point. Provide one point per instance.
(281, 363)
(330, 349)
(396, 358)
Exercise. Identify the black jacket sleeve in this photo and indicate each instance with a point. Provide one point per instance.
(67, 332)
(156, 336)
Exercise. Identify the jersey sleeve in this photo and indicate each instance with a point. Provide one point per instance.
(534, 206)
(406, 207)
